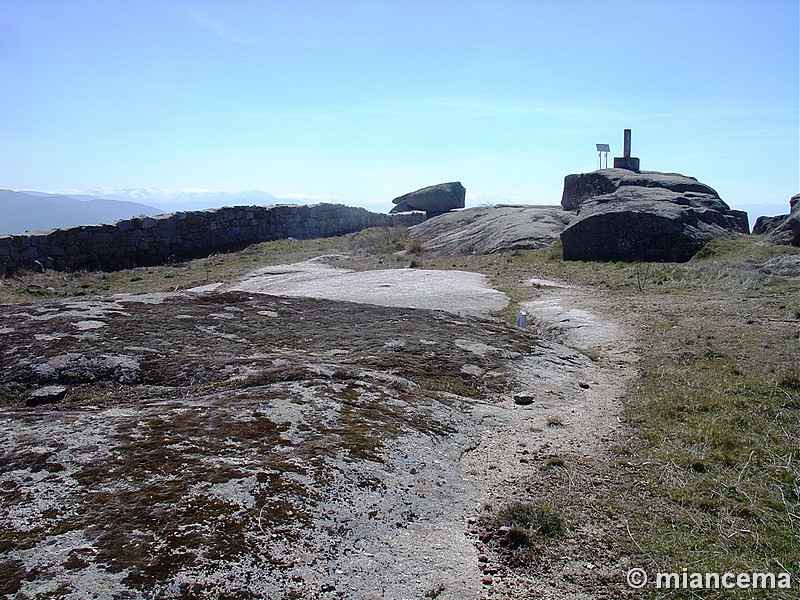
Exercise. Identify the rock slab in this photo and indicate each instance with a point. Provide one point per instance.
(488, 229)
(648, 216)
(434, 200)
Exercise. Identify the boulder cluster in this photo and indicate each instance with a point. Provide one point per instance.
(608, 214)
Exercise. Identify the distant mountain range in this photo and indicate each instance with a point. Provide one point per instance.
(34, 211)
(172, 200)
(20, 211)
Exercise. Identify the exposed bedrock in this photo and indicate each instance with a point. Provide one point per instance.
(487, 229)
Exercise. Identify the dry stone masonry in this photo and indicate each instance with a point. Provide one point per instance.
(142, 241)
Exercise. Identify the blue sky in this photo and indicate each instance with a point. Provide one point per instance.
(362, 101)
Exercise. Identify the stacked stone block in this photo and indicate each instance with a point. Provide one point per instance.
(144, 241)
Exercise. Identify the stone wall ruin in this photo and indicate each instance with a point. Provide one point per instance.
(145, 241)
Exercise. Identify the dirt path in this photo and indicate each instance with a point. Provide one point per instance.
(554, 449)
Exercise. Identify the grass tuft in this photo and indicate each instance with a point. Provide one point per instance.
(532, 519)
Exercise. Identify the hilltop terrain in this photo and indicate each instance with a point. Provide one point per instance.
(178, 431)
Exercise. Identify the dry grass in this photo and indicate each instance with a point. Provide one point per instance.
(710, 480)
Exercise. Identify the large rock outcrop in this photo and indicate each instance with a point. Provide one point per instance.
(487, 229)
(782, 229)
(648, 216)
(434, 200)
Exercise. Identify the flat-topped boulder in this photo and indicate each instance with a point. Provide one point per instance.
(582, 186)
(782, 229)
(648, 216)
(434, 199)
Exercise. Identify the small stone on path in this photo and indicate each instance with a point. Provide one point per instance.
(46, 395)
(523, 399)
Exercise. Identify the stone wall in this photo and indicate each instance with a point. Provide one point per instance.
(142, 241)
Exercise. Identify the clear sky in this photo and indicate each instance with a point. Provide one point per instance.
(362, 101)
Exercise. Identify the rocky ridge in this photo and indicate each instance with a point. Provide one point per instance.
(610, 214)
